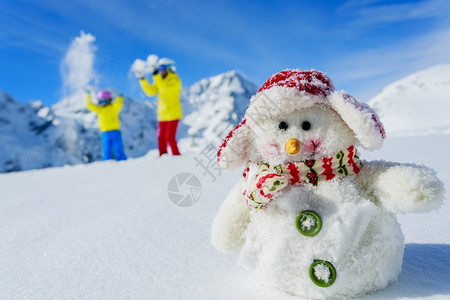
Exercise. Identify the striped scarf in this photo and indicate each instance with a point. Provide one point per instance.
(264, 182)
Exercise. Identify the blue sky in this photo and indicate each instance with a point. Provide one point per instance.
(361, 44)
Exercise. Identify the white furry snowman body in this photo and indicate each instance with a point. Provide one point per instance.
(363, 241)
(360, 237)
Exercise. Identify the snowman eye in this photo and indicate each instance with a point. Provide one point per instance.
(306, 125)
(283, 125)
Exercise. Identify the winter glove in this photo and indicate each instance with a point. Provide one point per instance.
(139, 75)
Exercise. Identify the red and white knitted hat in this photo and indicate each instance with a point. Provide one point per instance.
(293, 90)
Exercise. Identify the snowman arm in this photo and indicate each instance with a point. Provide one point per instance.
(402, 187)
(227, 232)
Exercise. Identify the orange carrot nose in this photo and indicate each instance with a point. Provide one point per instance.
(292, 146)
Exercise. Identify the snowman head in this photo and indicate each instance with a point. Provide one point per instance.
(310, 133)
(299, 115)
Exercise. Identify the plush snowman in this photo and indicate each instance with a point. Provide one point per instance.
(308, 217)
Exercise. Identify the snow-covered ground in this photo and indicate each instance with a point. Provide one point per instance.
(108, 230)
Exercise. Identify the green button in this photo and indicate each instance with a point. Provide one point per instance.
(322, 273)
(308, 223)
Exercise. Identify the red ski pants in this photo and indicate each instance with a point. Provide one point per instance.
(166, 135)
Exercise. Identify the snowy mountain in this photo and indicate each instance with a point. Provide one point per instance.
(218, 103)
(23, 134)
(418, 103)
(35, 136)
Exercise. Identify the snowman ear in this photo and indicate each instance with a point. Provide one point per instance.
(233, 151)
(360, 117)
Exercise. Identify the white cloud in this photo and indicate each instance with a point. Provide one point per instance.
(77, 67)
(370, 12)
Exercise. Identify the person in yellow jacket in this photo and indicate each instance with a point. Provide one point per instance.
(109, 123)
(167, 85)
